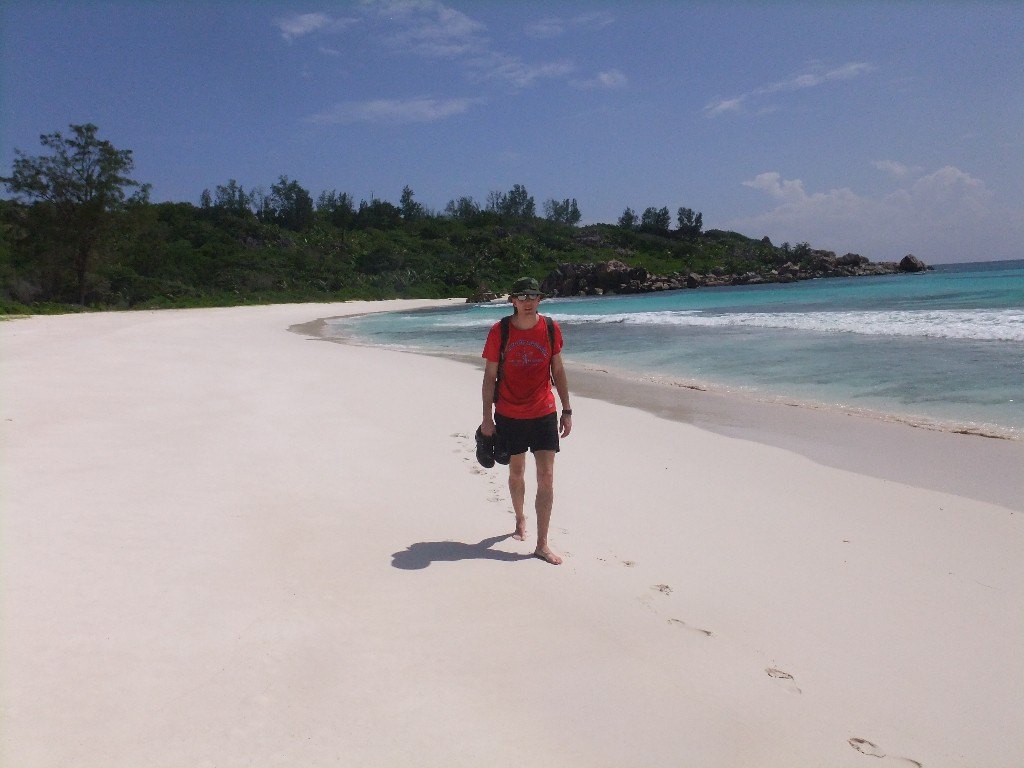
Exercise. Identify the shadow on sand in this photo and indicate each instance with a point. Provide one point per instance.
(423, 553)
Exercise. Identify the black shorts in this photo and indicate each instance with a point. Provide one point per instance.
(519, 435)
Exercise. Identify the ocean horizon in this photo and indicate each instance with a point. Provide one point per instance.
(942, 349)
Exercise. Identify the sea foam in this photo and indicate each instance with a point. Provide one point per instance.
(980, 325)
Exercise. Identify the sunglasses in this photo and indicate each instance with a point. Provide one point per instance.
(527, 296)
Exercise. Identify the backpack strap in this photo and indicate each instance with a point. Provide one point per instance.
(551, 347)
(505, 321)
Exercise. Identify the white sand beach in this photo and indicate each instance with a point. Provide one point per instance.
(225, 543)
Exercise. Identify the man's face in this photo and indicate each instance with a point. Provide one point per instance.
(525, 302)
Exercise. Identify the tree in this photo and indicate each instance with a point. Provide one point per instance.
(336, 207)
(83, 181)
(378, 214)
(463, 208)
(564, 211)
(655, 220)
(411, 210)
(628, 219)
(519, 204)
(690, 222)
(574, 214)
(233, 199)
(496, 201)
(290, 206)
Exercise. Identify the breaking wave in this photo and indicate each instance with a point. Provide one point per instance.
(981, 325)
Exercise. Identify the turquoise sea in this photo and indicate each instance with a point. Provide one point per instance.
(943, 348)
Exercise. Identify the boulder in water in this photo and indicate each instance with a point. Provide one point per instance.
(910, 263)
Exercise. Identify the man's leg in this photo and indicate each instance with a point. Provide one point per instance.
(545, 499)
(517, 490)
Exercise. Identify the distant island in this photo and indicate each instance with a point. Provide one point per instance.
(78, 233)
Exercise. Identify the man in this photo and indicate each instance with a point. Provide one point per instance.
(523, 413)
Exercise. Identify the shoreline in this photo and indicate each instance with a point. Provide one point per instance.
(986, 429)
(943, 456)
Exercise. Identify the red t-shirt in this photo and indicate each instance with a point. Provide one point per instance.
(524, 391)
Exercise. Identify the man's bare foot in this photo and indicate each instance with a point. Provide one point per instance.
(545, 554)
(520, 534)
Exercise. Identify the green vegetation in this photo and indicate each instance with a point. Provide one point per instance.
(72, 238)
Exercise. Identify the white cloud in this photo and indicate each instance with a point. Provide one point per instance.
(297, 26)
(946, 215)
(302, 24)
(393, 111)
(429, 28)
(433, 30)
(773, 184)
(950, 192)
(899, 170)
(595, 20)
(723, 105)
(553, 26)
(611, 78)
(546, 27)
(515, 71)
(735, 104)
(811, 80)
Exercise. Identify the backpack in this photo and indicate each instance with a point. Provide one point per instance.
(505, 323)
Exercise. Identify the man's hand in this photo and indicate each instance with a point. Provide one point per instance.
(565, 425)
(487, 427)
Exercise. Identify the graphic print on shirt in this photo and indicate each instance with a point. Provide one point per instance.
(523, 354)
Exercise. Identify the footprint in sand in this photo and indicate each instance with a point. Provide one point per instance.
(871, 749)
(688, 628)
(784, 678)
(613, 557)
(646, 600)
(466, 446)
(866, 747)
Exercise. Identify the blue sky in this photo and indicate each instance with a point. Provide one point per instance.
(879, 128)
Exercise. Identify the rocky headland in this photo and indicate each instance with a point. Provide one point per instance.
(616, 277)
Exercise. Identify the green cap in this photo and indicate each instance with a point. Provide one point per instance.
(526, 285)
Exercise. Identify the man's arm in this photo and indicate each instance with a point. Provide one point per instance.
(562, 385)
(487, 394)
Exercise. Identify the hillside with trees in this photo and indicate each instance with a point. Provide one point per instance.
(78, 232)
